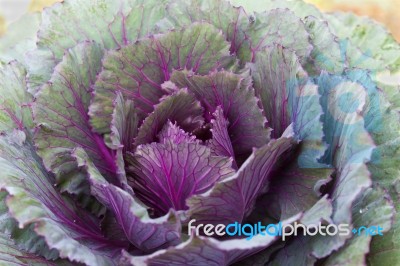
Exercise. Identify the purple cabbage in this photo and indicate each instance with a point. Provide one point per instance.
(122, 121)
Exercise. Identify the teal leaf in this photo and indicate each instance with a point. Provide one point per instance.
(369, 36)
(350, 148)
(288, 96)
(373, 208)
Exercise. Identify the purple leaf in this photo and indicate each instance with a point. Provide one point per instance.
(234, 94)
(181, 108)
(124, 128)
(165, 175)
(220, 143)
(200, 250)
(233, 199)
(124, 125)
(173, 133)
(34, 201)
(143, 232)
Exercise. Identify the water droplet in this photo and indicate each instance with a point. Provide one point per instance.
(74, 221)
(361, 210)
(252, 19)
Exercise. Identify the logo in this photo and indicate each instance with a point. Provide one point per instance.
(283, 231)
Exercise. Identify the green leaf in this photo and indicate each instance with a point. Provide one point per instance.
(381, 120)
(333, 54)
(261, 258)
(33, 200)
(386, 249)
(372, 38)
(329, 52)
(294, 190)
(25, 239)
(124, 125)
(139, 69)
(219, 13)
(124, 129)
(299, 7)
(11, 255)
(246, 33)
(279, 26)
(373, 208)
(321, 211)
(60, 111)
(111, 23)
(326, 53)
(15, 112)
(288, 96)
(299, 250)
(180, 107)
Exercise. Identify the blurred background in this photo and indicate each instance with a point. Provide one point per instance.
(11, 10)
(385, 11)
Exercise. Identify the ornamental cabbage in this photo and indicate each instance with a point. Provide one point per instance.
(121, 121)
